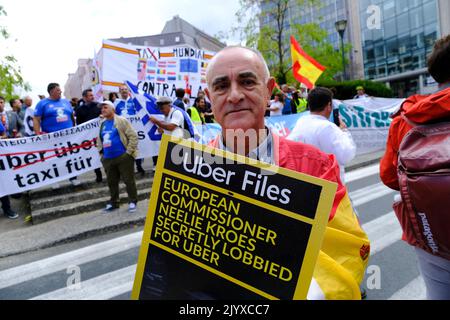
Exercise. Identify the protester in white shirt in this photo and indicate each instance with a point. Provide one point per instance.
(276, 105)
(173, 123)
(317, 130)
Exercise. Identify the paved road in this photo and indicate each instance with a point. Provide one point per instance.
(107, 264)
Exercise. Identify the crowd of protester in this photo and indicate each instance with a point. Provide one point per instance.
(53, 113)
(317, 147)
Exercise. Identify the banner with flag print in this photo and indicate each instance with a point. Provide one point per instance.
(158, 71)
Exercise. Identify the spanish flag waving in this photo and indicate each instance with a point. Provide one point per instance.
(306, 70)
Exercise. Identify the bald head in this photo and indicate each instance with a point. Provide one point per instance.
(238, 52)
(239, 88)
(28, 101)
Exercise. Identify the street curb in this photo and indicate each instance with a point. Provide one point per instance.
(362, 164)
(140, 221)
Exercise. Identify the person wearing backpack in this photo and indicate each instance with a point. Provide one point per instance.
(417, 163)
(175, 120)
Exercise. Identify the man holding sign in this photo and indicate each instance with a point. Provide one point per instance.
(239, 85)
(258, 221)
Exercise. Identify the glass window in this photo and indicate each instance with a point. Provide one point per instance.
(402, 6)
(389, 9)
(430, 35)
(369, 55)
(404, 45)
(377, 34)
(381, 71)
(391, 48)
(430, 12)
(418, 60)
(417, 39)
(403, 23)
(415, 3)
(371, 72)
(380, 51)
(415, 18)
(390, 28)
(405, 64)
(392, 68)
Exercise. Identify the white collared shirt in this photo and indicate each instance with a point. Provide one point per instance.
(318, 131)
(263, 153)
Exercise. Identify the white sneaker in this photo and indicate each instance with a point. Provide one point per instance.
(75, 182)
(109, 207)
(132, 207)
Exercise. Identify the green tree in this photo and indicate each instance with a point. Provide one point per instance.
(10, 73)
(272, 40)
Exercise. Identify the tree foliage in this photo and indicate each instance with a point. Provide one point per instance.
(272, 40)
(10, 73)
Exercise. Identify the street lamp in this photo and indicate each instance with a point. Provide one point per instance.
(341, 25)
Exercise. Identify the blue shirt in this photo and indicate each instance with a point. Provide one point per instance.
(2, 129)
(55, 114)
(125, 107)
(112, 145)
(287, 106)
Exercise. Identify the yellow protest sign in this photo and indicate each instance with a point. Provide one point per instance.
(222, 227)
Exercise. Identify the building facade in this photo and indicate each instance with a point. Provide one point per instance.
(390, 39)
(395, 49)
(79, 80)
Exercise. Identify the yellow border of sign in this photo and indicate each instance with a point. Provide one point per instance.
(317, 231)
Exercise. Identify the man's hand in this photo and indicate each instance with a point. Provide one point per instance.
(160, 130)
(342, 124)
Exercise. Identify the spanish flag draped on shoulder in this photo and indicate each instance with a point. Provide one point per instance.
(344, 255)
(306, 70)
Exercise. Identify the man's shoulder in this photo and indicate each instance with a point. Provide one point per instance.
(118, 101)
(120, 119)
(42, 103)
(304, 158)
(11, 114)
(177, 112)
(300, 149)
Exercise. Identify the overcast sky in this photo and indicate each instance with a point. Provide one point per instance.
(53, 34)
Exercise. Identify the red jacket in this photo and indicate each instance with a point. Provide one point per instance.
(418, 109)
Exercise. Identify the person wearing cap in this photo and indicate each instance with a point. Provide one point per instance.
(361, 93)
(173, 123)
(117, 143)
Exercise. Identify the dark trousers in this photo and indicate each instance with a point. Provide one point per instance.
(6, 204)
(139, 165)
(98, 173)
(120, 167)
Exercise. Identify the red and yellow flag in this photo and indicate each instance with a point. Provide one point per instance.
(306, 70)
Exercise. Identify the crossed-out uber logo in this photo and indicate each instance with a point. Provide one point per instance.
(374, 19)
(74, 280)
